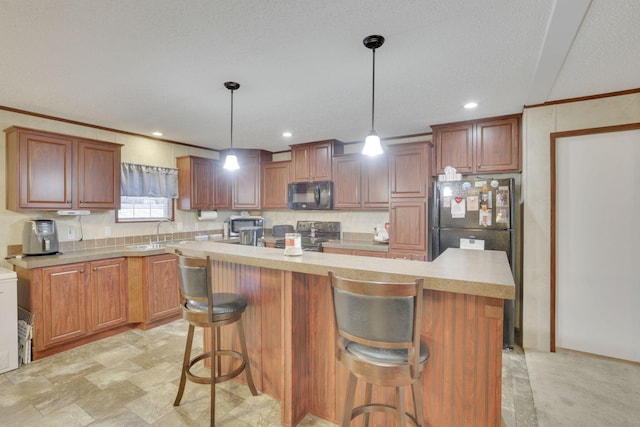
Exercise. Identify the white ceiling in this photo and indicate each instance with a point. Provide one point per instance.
(145, 65)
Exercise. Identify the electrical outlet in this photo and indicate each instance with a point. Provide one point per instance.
(71, 233)
(107, 231)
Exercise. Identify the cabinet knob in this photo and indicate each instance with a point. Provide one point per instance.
(68, 201)
(82, 271)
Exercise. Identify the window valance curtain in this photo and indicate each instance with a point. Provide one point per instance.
(148, 181)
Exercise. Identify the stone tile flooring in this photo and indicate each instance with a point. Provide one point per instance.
(131, 380)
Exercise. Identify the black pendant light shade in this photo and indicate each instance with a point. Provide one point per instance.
(231, 161)
(372, 146)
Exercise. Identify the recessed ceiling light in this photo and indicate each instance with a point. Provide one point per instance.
(287, 134)
(470, 105)
(156, 133)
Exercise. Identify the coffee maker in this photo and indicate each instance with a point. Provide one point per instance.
(40, 237)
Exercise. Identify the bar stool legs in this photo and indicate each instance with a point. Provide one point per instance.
(215, 356)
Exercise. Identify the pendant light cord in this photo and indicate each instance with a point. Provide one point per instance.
(373, 88)
(232, 120)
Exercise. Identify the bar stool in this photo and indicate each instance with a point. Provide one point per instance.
(203, 308)
(378, 339)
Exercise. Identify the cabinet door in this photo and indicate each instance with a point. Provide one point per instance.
(375, 181)
(300, 164)
(275, 181)
(497, 145)
(108, 294)
(408, 226)
(408, 171)
(223, 185)
(320, 162)
(98, 175)
(347, 182)
(454, 147)
(162, 287)
(64, 312)
(45, 171)
(202, 184)
(246, 182)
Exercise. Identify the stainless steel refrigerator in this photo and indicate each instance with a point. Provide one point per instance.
(477, 213)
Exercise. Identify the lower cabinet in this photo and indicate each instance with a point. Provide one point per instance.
(154, 290)
(73, 301)
(359, 252)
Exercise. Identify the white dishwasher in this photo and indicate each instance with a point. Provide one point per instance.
(8, 320)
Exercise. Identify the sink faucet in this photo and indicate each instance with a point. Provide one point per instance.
(158, 229)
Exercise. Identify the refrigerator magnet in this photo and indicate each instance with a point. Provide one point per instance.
(485, 218)
(472, 203)
(458, 207)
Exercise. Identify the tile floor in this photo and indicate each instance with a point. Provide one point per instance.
(131, 380)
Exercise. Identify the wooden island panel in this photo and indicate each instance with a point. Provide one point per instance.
(291, 340)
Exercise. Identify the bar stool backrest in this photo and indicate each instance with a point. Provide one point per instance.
(195, 280)
(379, 314)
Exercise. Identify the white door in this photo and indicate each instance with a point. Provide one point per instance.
(598, 244)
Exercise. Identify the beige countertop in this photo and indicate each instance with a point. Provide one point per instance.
(86, 255)
(482, 273)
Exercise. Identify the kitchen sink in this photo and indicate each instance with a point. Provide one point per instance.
(154, 245)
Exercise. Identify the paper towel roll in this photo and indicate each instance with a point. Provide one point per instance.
(207, 215)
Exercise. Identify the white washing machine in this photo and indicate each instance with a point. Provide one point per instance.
(8, 320)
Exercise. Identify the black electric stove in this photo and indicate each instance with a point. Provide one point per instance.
(313, 233)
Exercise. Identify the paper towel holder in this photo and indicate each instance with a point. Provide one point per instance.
(206, 215)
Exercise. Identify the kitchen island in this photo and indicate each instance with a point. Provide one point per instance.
(291, 338)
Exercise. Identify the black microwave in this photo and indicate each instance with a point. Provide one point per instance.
(311, 195)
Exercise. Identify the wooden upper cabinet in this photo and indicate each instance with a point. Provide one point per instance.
(196, 187)
(274, 182)
(498, 145)
(454, 145)
(246, 180)
(360, 182)
(312, 161)
(52, 171)
(222, 187)
(375, 181)
(347, 191)
(479, 146)
(409, 166)
(98, 175)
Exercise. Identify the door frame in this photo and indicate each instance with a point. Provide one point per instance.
(554, 136)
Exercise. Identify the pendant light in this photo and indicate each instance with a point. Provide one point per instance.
(372, 145)
(231, 161)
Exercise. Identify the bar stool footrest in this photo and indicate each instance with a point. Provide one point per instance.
(219, 379)
(378, 407)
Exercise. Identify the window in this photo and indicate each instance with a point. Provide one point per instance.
(141, 209)
(146, 193)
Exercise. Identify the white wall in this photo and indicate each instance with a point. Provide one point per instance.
(538, 124)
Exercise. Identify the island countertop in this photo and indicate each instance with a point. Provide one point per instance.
(481, 273)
